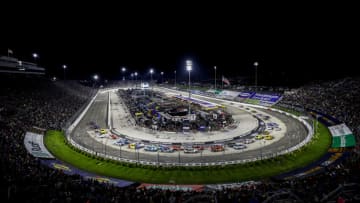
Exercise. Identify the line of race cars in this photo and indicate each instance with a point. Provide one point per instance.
(194, 148)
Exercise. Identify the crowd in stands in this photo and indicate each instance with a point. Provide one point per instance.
(49, 105)
(339, 99)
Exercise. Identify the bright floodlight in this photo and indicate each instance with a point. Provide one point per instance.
(64, 66)
(135, 73)
(215, 67)
(162, 73)
(256, 64)
(96, 77)
(151, 71)
(35, 55)
(188, 65)
(123, 69)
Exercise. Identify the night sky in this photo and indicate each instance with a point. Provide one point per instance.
(292, 45)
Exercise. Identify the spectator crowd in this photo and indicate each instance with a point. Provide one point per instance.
(36, 102)
(339, 99)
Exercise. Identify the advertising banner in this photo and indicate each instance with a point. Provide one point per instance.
(70, 170)
(266, 97)
(342, 136)
(246, 95)
(34, 144)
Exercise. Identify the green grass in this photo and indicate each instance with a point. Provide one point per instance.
(56, 143)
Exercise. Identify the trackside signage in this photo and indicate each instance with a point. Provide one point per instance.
(34, 144)
(342, 136)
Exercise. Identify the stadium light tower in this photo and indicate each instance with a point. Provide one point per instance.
(135, 79)
(35, 55)
(256, 79)
(162, 77)
(64, 67)
(123, 69)
(189, 68)
(151, 72)
(215, 77)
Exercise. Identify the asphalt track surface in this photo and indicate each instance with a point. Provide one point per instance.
(97, 112)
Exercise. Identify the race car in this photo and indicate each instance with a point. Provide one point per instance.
(246, 141)
(198, 147)
(114, 137)
(103, 131)
(239, 146)
(217, 148)
(259, 137)
(190, 150)
(151, 148)
(136, 145)
(177, 147)
(121, 142)
(167, 149)
(269, 137)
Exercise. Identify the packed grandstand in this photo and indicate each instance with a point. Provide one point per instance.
(38, 104)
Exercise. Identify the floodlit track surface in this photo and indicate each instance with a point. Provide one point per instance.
(295, 133)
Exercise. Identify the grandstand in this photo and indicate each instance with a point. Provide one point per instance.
(53, 105)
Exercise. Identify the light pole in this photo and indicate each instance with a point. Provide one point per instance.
(123, 69)
(162, 77)
(189, 68)
(256, 79)
(95, 77)
(135, 79)
(151, 72)
(64, 67)
(35, 55)
(215, 77)
(175, 78)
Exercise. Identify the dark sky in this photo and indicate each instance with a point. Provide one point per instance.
(292, 45)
